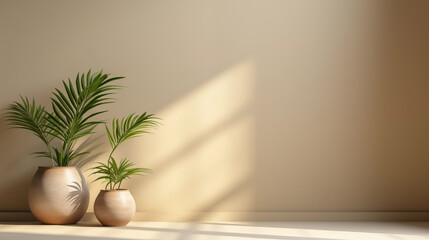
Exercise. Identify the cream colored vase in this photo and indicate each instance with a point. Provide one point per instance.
(58, 195)
(114, 207)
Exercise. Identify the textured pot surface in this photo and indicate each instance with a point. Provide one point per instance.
(58, 195)
(114, 207)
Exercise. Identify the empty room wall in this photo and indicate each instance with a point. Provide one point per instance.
(267, 106)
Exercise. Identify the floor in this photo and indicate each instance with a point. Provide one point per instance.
(221, 230)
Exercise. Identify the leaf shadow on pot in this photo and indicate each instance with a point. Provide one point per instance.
(78, 196)
(75, 196)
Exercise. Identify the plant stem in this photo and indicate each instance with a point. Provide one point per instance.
(48, 146)
(108, 162)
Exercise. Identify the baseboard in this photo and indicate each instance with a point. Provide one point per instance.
(282, 216)
(247, 216)
(16, 217)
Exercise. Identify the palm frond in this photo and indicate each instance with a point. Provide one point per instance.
(129, 127)
(72, 116)
(133, 125)
(114, 174)
(30, 116)
(70, 119)
(74, 110)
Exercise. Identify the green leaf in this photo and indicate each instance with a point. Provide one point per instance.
(74, 109)
(130, 127)
(115, 173)
(30, 116)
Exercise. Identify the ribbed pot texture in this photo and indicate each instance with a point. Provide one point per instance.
(58, 195)
(114, 207)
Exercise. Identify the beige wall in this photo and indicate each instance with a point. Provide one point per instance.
(267, 105)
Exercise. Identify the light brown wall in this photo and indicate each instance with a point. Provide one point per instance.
(267, 105)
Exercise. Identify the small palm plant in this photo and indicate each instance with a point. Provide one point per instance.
(114, 173)
(71, 118)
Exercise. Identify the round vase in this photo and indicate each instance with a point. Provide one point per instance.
(58, 195)
(114, 207)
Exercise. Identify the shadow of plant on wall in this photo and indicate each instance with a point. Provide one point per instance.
(94, 145)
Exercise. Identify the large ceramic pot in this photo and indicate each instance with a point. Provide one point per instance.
(114, 207)
(58, 195)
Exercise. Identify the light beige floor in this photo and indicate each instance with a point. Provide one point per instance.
(221, 230)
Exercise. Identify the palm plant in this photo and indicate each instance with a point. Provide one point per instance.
(71, 118)
(114, 173)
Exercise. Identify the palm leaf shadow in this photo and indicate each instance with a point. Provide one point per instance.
(93, 146)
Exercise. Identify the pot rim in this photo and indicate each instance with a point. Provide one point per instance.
(114, 190)
(53, 167)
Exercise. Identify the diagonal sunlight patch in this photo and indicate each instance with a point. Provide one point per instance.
(203, 150)
(203, 109)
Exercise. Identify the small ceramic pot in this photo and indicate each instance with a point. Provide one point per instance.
(58, 195)
(114, 207)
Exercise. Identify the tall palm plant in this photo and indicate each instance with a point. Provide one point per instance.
(114, 173)
(71, 118)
